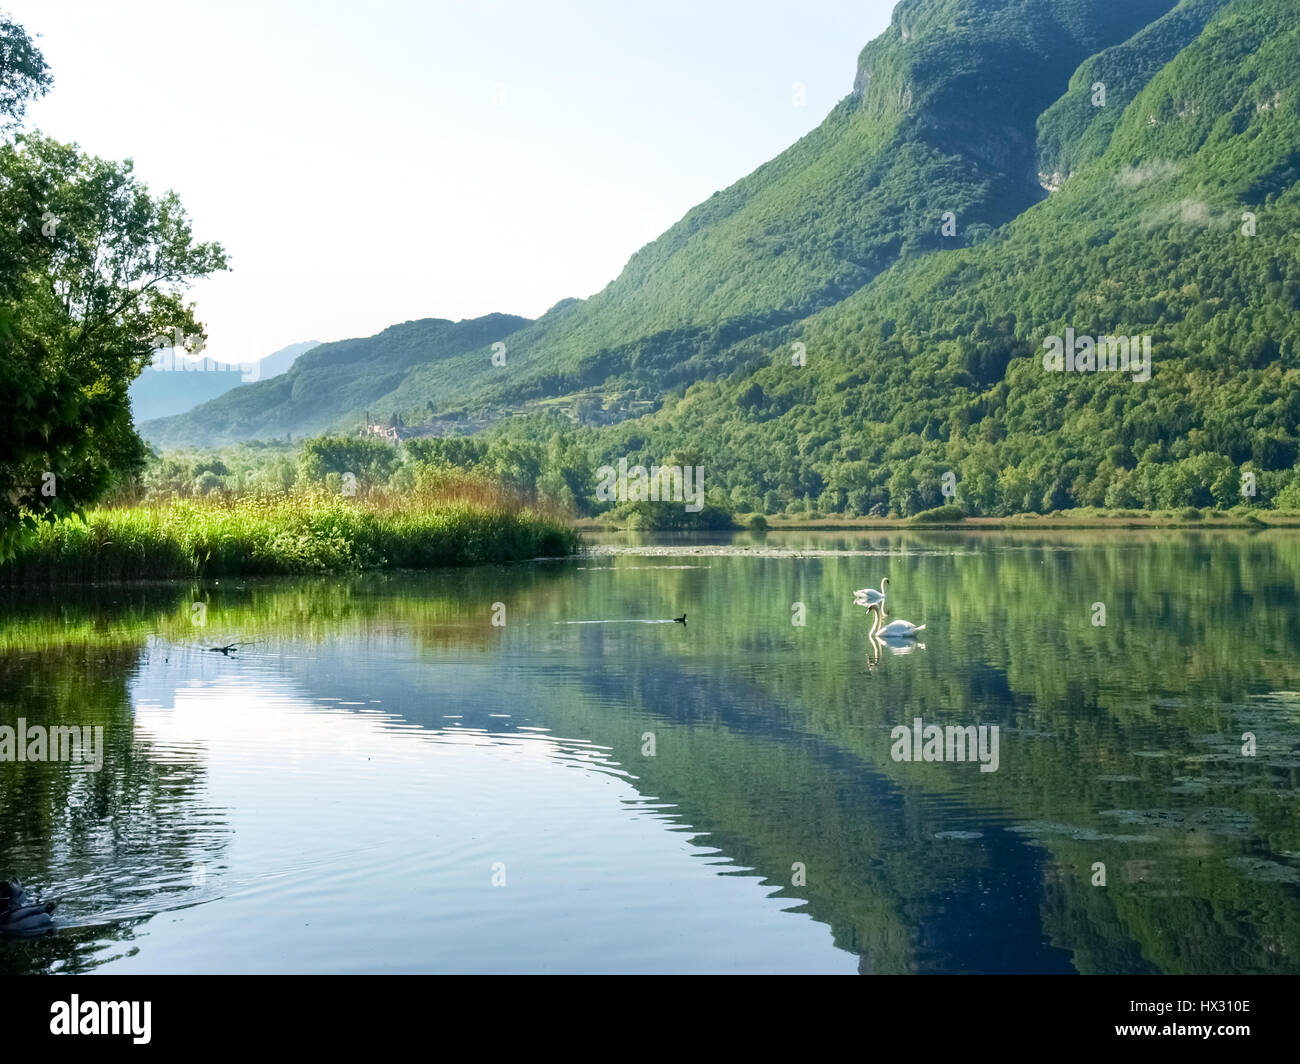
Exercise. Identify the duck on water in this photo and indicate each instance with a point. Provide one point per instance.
(18, 914)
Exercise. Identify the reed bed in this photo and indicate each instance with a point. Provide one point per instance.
(454, 524)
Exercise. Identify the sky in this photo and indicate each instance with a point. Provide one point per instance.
(367, 162)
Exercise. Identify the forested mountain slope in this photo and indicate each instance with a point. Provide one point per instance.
(1184, 229)
(941, 118)
(1173, 220)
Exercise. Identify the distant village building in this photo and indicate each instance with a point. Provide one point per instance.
(374, 428)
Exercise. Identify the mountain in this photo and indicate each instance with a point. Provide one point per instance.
(974, 196)
(163, 389)
(1177, 221)
(334, 384)
(282, 361)
(941, 118)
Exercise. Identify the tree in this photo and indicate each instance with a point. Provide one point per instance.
(93, 271)
(367, 459)
(23, 73)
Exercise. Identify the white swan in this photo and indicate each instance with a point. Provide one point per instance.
(868, 596)
(894, 629)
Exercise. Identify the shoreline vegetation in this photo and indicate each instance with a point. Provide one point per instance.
(468, 523)
(951, 518)
(298, 533)
(349, 504)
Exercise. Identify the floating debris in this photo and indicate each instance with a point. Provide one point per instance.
(1189, 785)
(1214, 819)
(1044, 828)
(1262, 871)
(727, 550)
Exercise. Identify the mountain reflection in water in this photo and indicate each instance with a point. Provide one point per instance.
(384, 779)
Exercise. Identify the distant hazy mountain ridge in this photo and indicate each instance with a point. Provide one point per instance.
(334, 384)
(175, 384)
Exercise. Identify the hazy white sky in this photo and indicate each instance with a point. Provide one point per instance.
(369, 162)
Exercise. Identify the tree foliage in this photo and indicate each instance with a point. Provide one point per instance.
(93, 269)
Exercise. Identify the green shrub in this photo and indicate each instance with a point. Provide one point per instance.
(940, 515)
(670, 517)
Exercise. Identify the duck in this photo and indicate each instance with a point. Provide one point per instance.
(894, 629)
(17, 912)
(868, 596)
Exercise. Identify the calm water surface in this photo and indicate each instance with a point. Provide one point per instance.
(381, 779)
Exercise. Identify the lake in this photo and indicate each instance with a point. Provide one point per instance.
(533, 769)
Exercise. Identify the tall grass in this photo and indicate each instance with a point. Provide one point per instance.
(459, 522)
